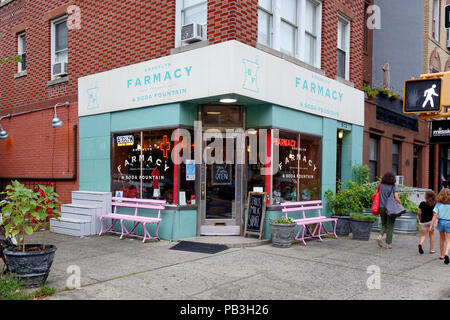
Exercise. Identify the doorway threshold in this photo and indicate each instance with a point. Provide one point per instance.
(230, 241)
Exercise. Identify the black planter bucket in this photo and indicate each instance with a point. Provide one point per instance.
(33, 266)
(282, 234)
(342, 225)
(361, 229)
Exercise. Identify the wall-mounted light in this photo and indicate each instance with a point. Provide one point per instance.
(3, 134)
(228, 100)
(56, 122)
(340, 134)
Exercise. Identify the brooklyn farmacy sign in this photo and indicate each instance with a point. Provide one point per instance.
(226, 68)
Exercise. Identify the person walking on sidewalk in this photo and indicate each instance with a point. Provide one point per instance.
(387, 189)
(442, 213)
(425, 215)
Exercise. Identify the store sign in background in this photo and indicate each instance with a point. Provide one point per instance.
(225, 68)
(440, 131)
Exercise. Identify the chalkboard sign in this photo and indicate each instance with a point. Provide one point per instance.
(256, 212)
(221, 174)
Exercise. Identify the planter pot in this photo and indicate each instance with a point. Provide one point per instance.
(282, 234)
(31, 266)
(406, 223)
(361, 229)
(342, 225)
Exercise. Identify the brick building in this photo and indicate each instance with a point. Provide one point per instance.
(133, 78)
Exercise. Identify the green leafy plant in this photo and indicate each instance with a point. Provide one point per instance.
(282, 220)
(364, 217)
(355, 195)
(26, 210)
(17, 58)
(371, 93)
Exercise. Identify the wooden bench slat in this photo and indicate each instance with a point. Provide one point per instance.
(139, 206)
(138, 200)
(301, 209)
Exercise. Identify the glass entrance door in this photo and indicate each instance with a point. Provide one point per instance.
(221, 192)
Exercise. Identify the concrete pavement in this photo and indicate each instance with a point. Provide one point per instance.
(332, 269)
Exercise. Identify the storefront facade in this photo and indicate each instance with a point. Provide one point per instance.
(131, 120)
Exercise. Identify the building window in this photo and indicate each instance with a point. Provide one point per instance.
(143, 167)
(194, 11)
(289, 27)
(373, 159)
(21, 51)
(395, 157)
(187, 12)
(311, 33)
(265, 20)
(59, 45)
(343, 49)
(292, 27)
(298, 177)
(436, 10)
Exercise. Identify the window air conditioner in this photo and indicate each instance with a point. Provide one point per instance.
(398, 179)
(192, 32)
(60, 69)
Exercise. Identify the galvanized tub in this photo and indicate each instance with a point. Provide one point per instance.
(405, 224)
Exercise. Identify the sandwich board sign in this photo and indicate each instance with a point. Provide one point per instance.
(422, 96)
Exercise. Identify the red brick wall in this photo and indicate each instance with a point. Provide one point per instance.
(114, 34)
(385, 132)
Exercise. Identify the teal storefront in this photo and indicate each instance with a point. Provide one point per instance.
(127, 136)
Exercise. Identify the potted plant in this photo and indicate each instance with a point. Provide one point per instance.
(25, 212)
(371, 93)
(342, 203)
(282, 231)
(361, 225)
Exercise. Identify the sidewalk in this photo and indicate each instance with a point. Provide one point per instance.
(332, 269)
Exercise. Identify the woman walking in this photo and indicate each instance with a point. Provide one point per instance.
(425, 215)
(442, 213)
(387, 189)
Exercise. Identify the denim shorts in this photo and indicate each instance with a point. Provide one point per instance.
(443, 225)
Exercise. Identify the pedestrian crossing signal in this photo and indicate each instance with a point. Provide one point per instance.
(422, 96)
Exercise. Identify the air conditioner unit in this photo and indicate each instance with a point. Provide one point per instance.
(192, 32)
(60, 69)
(398, 179)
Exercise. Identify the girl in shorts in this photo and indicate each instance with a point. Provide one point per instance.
(442, 213)
(425, 215)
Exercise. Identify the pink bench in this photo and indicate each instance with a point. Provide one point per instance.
(136, 219)
(305, 222)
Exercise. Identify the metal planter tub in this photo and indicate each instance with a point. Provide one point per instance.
(342, 225)
(282, 234)
(406, 224)
(361, 229)
(31, 266)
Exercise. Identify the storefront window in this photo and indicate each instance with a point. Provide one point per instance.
(127, 165)
(310, 165)
(298, 177)
(285, 182)
(143, 167)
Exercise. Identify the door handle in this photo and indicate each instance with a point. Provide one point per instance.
(203, 191)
